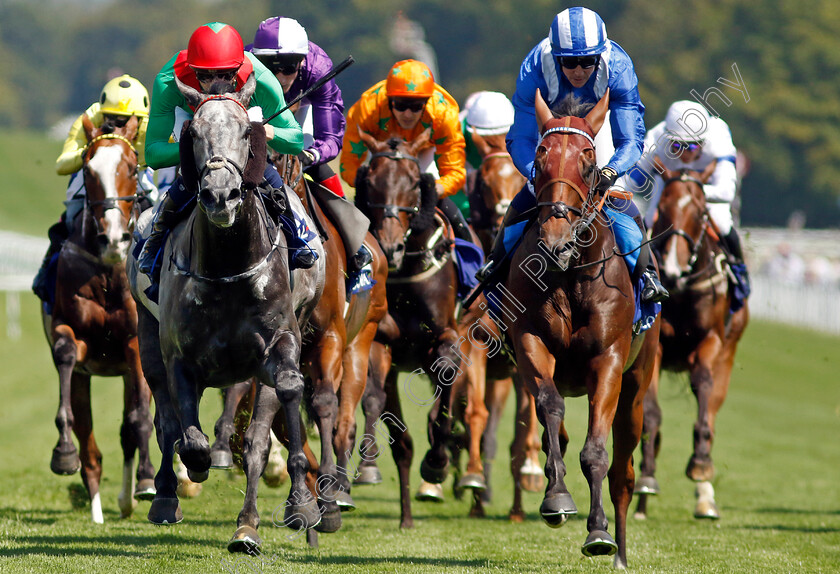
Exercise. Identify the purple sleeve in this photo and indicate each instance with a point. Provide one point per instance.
(327, 105)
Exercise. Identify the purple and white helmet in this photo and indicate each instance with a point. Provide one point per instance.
(280, 35)
(577, 31)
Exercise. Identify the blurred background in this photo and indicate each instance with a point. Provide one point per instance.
(770, 69)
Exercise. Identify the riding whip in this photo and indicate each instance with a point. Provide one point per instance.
(329, 76)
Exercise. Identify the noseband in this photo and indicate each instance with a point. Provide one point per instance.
(693, 244)
(390, 209)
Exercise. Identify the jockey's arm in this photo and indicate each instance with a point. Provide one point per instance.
(723, 183)
(353, 151)
(287, 137)
(70, 160)
(626, 121)
(523, 135)
(327, 122)
(451, 157)
(160, 152)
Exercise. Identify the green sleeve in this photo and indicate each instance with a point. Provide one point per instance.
(473, 157)
(288, 137)
(165, 98)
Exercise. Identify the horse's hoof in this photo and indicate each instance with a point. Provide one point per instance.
(432, 474)
(473, 481)
(330, 522)
(145, 489)
(245, 540)
(429, 492)
(368, 475)
(345, 501)
(638, 515)
(188, 489)
(65, 462)
(700, 470)
(599, 543)
(221, 460)
(165, 511)
(706, 510)
(195, 454)
(302, 516)
(198, 476)
(532, 482)
(646, 485)
(557, 508)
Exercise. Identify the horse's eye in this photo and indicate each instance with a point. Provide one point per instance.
(248, 131)
(192, 131)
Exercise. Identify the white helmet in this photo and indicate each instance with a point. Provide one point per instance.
(490, 113)
(279, 35)
(687, 121)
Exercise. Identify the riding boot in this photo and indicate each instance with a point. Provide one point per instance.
(58, 234)
(164, 221)
(497, 251)
(459, 225)
(653, 291)
(732, 244)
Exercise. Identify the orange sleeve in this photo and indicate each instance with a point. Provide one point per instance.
(449, 143)
(363, 115)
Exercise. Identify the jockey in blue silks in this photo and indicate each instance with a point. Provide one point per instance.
(577, 58)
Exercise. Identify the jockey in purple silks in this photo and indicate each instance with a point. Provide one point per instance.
(283, 46)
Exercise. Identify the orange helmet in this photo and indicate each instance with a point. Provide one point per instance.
(410, 79)
(215, 46)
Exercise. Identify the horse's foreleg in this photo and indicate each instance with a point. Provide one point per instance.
(475, 416)
(221, 455)
(443, 371)
(326, 374)
(356, 359)
(65, 457)
(254, 457)
(193, 446)
(647, 484)
(402, 445)
(165, 508)
(90, 455)
(138, 420)
(700, 467)
(373, 404)
(495, 397)
(301, 511)
(604, 384)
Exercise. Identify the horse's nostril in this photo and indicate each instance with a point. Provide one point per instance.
(399, 248)
(126, 236)
(234, 194)
(102, 240)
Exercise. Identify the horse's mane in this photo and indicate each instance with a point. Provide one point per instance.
(393, 143)
(221, 87)
(572, 106)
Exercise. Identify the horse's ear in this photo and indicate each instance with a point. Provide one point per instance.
(87, 125)
(595, 117)
(244, 95)
(192, 95)
(420, 142)
(130, 129)
(543, 112)
(480, 144)
(370, 142)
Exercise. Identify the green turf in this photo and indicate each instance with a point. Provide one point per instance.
(777, 453)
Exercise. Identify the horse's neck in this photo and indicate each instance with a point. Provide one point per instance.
(222, 251)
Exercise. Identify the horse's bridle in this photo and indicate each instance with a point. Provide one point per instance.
(694, 244)
(110, 202)
(390, 209)
(489, 217)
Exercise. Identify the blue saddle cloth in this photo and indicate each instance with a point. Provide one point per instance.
(469, 258)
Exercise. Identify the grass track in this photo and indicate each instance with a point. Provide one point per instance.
(776, 452)
(777, 455)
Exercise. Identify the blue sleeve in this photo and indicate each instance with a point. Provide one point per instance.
(523, 135)
(626, 116)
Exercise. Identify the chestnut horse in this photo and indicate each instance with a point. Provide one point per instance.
(575, 337)
(230, 309)
(92, 329)
(421, 330)
(699, 334)
(497, 181)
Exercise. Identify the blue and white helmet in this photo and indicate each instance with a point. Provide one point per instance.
(577, 31)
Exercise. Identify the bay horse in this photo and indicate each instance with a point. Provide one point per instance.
(229, 309)
(92, 327)
(497, 182)
(421, 331)
(699, 334)
(575, 336)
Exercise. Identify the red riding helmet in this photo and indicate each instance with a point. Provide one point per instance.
(215, 46)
